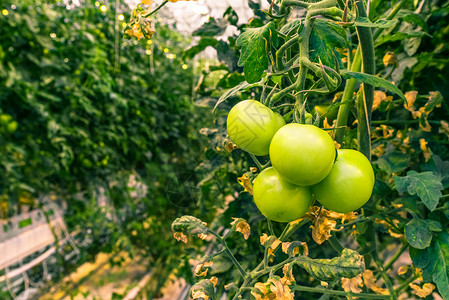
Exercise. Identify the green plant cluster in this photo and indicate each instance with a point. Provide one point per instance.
(83, 107)
(394, 110)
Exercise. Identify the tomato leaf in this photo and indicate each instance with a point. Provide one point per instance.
(202, 44)
(189, 225)
(381, 23)
(348, 265)
(203, 289)
(325, 38)
(434, 262)
(418, 234)
(373, 80)
(254, 57)
(211, 28)
(426, 185)
(440, 168)
(240, 87)
(392, 161)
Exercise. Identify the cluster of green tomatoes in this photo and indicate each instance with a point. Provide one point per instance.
(305, 164)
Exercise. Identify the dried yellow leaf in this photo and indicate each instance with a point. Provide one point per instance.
(444, 128)
(199, 295)
(395, 235)
(230, 146)
(379, 96)
(201, 269)
(402, 270)
(410, 96)
(423, 292)
(180, 236)
(390, 59)
(352, 284)
(288, 274)
(242, 227)
(214, 280)
(426, 151)
(202, 236)
(263, 238)
(322, 228)
(370, 282)
(245, 182)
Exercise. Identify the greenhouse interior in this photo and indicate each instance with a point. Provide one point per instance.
(233, 149)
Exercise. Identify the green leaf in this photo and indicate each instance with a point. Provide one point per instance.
(440, 168)
(381, 23)
(189, 225)
(373, 80)
(291, 27)
(434, 261)
(426, 185)
(211, 28)
(206, 286)
(324, 39)
(254, 57)
(434, 225)
(348, 265)
(392, 161)
(202, 44)
(231, 92)
(418, 234)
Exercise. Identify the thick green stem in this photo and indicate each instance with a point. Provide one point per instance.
(364, 107)
(355, 66)
(347, 98)
(281, 51)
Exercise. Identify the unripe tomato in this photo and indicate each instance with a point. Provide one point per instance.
(349, 184)
(251, 126)
(302, 154)
(279, 200)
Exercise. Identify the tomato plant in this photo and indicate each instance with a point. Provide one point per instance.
(279, 200)
(302, 154)
(251, 125)
(327, 57)
(349, 184)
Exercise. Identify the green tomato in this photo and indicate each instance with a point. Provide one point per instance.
(251, 126)
(349, 185)
(302, 154)
(279, 200)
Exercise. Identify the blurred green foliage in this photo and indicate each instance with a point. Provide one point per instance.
(83, 108)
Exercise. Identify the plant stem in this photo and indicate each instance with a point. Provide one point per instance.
(355, 66)
(390, 16)
(335, 243)
(281, 51)
(256, 161)
(384, 274)
(348, 95)
(157, 8)
(396, 256)
(270, 227)
(229, 253)
(406, 283)
(338, 293)
(364, 107)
